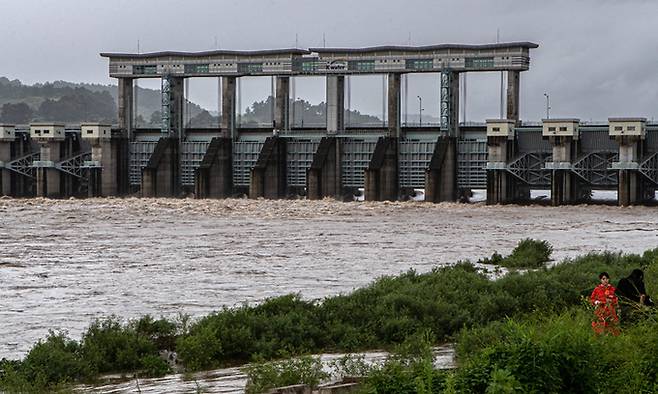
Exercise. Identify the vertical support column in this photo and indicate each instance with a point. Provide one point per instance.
(282, 103)
(563, 135)
(105, 160)
(513, 83)
(125, 93)
(173, 106)
(335, 103)
(450, 103)
(500, 145)
(7, 138)
(48, 177)
(630, 134)
(228, 108)
(441, 175)
(5, 173)
(394, 105)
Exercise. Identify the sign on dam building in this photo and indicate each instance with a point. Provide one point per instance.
(388, 161)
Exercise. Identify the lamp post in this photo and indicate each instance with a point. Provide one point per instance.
(420, 111)
(548, 105)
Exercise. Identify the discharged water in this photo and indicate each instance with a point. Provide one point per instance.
(64, 263)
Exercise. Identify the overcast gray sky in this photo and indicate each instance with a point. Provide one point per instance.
(597, 58)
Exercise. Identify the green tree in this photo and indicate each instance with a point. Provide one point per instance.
(19, 113)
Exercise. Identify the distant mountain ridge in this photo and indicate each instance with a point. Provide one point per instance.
(72, 102)
(69, 102)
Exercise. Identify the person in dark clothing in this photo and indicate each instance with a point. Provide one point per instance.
(632, 293)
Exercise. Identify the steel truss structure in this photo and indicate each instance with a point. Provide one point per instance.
(594, 168)
(530, 168)
(74, 165)
(649, 168)
(23, 165)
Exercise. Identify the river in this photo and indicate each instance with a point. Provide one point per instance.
(65, 262)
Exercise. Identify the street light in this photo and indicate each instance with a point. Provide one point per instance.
(420, 111)
(548, 105)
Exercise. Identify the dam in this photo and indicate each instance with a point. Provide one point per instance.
(507, 157)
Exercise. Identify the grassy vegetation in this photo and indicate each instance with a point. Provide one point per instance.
(387, 313)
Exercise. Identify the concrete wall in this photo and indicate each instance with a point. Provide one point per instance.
(268, 177)
(381, 176)
(323, 178)
(335, 103)
(441, 175)
(160, 178)
(214, 177)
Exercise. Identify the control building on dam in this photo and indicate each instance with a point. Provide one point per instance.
(506, 157)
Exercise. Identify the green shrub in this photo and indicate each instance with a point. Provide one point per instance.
(108, 346)
(200, 350)
(528, 253)
(303, 370)
(154, 366)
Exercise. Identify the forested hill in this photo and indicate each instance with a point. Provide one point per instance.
(68, 102)
(71, 102)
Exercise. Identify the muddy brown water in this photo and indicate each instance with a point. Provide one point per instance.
(65, 262)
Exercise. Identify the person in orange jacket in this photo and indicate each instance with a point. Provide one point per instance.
(605, 303)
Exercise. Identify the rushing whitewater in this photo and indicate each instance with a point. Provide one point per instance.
(65, 262)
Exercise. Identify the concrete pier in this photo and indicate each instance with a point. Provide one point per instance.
(501, 149)
(335, 103)
(214, 177)
(441, 174)
(50, 137)
(228, 108)
(393, 99)
(630, 134)
(268, 176)
(282, 104)
(160, 177)
(125, 105)
(105, 160)
(381, 175)
(7, 138)
(323, 178)
(563, 134)
(513, 87)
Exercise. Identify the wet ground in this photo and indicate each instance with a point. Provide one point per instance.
(64, 263)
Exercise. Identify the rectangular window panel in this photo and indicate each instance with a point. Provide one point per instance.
(419, 64)
(145, 69)
(249, 68)
(485, 62)
(197, 68)
(361, 65)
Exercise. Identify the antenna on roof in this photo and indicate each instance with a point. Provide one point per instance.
(409, 39)
(216, 43)
(296, 40)
(138, 46)
(324, 41)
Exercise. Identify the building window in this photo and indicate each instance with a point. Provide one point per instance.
(619, 128)
(563, 128)
(90, 131)
(495, 128)
(630, 128)
(551, 129)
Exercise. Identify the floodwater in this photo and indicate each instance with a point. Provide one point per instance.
(234, 380)
(65, 262)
